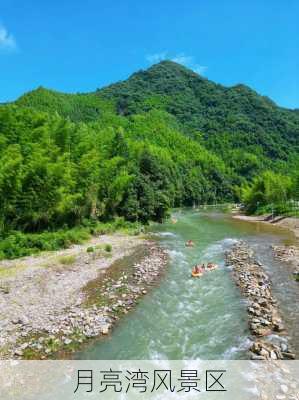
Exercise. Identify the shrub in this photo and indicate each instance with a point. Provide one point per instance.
(108, 248)
(18, 244)
(90, 249)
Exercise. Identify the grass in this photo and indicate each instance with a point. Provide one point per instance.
(54, 345)
(4, 288)
(8, 272)
(67, 260)
(17, 244)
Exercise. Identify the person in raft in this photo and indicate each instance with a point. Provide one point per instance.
(211, 266)
(196, 269)
(199, 269)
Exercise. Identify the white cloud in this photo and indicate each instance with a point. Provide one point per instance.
(180, 58)
(157, 57)
(7, 41)
(189, 62)
(200, 69)
(183, 59)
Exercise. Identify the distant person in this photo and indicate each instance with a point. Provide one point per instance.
(212, 266)
(189, 243)
(200, 269)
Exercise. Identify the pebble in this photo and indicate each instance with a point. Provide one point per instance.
(284, 347)
(289, 355)
(284, 389)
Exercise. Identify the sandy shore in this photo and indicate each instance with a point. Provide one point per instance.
(56, 301)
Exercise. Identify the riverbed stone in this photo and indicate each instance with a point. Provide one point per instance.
(284, 389)
(18, 352)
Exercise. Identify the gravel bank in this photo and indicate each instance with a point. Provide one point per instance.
(55, 302)
(265, 321)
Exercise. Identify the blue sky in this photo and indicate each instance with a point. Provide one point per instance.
(82, 45)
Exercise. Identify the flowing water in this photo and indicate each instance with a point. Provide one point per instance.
(185, 318)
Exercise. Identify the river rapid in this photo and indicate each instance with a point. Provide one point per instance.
(206, 318)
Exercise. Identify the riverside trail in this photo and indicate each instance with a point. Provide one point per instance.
(185, 318)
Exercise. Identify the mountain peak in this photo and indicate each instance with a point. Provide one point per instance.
(171, 67)
(169, 64)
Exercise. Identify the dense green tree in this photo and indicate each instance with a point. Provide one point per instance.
(165, 137)
(266, 191)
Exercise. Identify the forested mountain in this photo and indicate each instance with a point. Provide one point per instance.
(222, 119)
(226, 117)
(77, 107)
(165, 137)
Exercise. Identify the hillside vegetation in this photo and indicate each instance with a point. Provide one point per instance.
(165, 137)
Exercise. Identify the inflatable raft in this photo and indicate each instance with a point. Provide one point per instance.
(196, 275)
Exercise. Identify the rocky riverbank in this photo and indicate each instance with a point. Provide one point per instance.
(265, 322)
(50, 305)
(290, 255)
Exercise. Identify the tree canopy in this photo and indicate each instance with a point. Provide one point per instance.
(165, 137)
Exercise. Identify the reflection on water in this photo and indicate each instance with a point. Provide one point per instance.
(185, 318)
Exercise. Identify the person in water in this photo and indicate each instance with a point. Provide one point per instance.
(196, 269)
(212, 266)
(189, 243)
(199, 269)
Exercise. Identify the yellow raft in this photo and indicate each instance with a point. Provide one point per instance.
(196, 275)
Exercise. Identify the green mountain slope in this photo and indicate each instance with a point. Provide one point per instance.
(223, 119)
(237, 115)
(77, 107)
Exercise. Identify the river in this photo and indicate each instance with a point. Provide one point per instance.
(185, 318)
